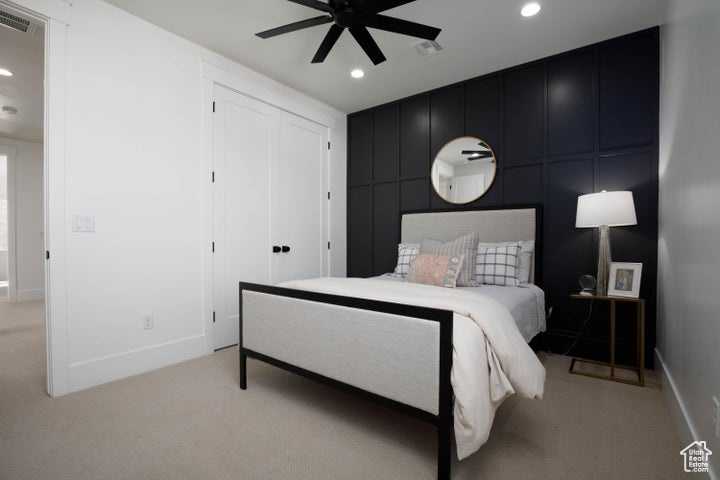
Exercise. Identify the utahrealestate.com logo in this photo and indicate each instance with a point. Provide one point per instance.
(696, 457)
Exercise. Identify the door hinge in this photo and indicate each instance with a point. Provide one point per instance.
(213, 316)
(213, 177)
(47, 254)
(213, 247)
(213, 107)
(328, 145)
(328, 195)
(328, 245)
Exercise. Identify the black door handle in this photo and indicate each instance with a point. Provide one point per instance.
(276, 249)
(285, 249)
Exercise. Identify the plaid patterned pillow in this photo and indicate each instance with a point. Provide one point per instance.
(406, 254)
(527, 248)
(498, 265)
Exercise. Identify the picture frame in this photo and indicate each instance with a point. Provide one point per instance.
(624, 279)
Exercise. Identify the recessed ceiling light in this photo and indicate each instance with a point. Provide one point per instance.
(5, 72)
(357, 73)
(530, 9)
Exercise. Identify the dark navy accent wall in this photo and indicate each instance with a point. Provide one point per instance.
(570, 124)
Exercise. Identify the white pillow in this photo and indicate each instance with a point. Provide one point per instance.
(526, 252)
(406, 254)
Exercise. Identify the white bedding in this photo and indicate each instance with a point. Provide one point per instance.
(526, 303)
(491, 359)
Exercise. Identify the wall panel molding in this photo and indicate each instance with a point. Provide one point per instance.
(566, 125)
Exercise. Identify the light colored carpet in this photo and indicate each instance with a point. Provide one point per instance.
(191, 421)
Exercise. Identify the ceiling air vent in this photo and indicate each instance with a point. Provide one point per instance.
(15, 22)
(427, 47)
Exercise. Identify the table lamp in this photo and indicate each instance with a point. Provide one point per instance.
(605, 210)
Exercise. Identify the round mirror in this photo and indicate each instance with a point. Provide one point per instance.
(463, 170)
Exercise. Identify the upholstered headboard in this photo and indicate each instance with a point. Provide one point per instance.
(497, 224)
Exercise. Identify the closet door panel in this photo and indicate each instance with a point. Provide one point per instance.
(245, 141)
(300, 209)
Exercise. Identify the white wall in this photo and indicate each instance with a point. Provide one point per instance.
(688, 339)
(134, 161)
(29, 219)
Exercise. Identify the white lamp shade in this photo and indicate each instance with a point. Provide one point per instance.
(614, 209)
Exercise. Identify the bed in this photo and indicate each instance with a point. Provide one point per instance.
(446, 358)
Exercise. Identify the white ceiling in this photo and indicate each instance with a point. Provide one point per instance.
(478, 37)
(24, 56)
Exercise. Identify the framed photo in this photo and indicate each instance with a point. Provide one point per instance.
(624, 279)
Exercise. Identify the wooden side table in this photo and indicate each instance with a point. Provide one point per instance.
(640, 363)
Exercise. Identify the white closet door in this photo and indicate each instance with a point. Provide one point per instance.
(300, 200)
(245, 148)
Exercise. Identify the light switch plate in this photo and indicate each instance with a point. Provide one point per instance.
(77, 223)
(83, 223)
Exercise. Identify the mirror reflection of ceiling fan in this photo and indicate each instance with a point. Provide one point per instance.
(478, 155)
(357, 16)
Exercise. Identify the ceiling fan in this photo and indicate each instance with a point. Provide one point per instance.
(356, 16)
(477, 154)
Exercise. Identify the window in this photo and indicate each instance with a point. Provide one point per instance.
(3, 210)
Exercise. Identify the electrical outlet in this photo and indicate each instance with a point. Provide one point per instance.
(148, 321)
(716, 416)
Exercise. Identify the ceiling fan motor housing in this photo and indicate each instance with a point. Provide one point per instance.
(346, 18)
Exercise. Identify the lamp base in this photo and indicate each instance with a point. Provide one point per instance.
(604, 260)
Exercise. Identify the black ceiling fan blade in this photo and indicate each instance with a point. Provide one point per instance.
(292, 27)
(322, 6)
(397, 25)
(377, 6)
(363, 37)
(475, 154)
(327, 44)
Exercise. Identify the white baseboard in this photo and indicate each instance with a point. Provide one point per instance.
(678, 410)
(87, 374)
(30, 295)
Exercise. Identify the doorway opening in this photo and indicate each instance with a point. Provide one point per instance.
(23, 351)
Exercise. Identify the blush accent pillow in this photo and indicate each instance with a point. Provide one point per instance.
(463, 246)
(438, 270)
(406, 254)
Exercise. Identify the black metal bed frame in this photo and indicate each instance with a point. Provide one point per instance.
(443, 421)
